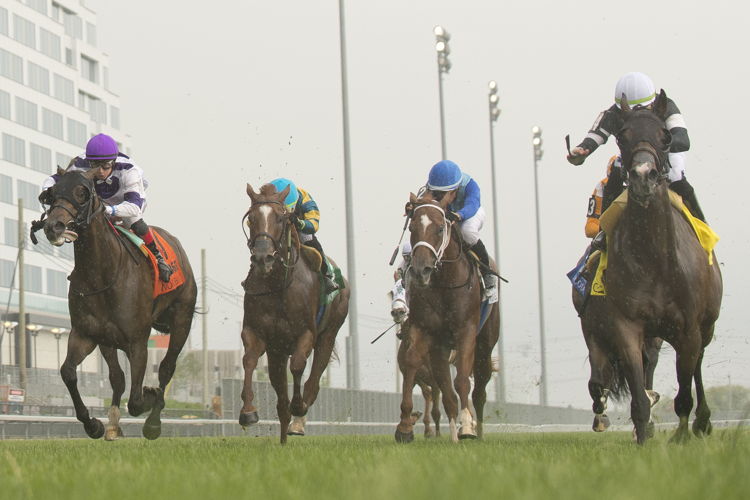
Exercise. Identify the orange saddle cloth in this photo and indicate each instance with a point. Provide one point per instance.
(178, 277)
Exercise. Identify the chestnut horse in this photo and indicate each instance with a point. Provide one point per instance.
(659, 280)
(111, 304)
(445, 299)
(282, 301)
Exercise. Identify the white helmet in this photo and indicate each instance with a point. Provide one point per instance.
(638, 89)
(406, 248)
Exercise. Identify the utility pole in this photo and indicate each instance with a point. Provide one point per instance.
(21, 300)
(204, 316)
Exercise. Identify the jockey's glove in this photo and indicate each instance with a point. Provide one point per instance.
(300, 223)
(452, 216)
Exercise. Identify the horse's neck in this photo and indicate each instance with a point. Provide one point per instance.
(454, 260)
(96, 250)
(651, 232)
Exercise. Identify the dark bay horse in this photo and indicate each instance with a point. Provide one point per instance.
(659, 281)
(607, 376)
(112, 306)
(282, 298)
(445, 299)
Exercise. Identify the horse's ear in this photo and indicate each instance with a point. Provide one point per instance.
(285, 192)
(660, 104)
(60, 170)
(624, 103)
(412, 198)
(251, 192)
(91, 173)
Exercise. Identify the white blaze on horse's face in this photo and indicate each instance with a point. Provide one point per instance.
(642, 169)
(425, 220)
(265, 211)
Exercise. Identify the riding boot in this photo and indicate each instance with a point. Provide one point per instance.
(488, 277)
(613, 188)
(165, 271)
(599, 242)
(328, 278)
(684, 189)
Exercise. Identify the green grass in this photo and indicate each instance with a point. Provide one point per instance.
(602, 466)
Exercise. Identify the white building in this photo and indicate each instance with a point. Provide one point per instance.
(54, 95)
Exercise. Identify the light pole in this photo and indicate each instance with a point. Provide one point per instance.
(58, 332)
(538, 152)
(34, 331)
(444, 66)
(9, 327)
(494, 110)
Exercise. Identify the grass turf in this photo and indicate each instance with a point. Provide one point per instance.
(568, 465)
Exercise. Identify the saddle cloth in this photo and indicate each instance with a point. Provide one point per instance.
(706, 236)
(170, 257)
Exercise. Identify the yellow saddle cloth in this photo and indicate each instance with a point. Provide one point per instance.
(706, 236)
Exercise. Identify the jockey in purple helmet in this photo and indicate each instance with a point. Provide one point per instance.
(121, 186)
(447, 180)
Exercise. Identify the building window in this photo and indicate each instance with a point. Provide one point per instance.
(49, 44)
(57, 283)
(29, 193)
(105, 77)
(114, 114)
(4, 104)
(24, 31)
(91, 34)
(64, 90)
(40, 158)
(89, 69)
(69, 59)
(76, 133)
(73, 25)
(11, 66)
(62, 160)
(6, 189)
(11, 232)
(52, 123)
(26, 113)
(7, 268)
(32, 278)
(38, 77)
(3, 21)
(14, 150)
(96, 107)
(38, 5)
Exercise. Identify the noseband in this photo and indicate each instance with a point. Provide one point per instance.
(286, 234)
(438, 253)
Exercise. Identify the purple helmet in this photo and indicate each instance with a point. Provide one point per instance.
(101, 147)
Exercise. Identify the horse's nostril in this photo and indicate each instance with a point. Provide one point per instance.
(58, 227)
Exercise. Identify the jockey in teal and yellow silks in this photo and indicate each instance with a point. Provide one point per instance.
(301, 204)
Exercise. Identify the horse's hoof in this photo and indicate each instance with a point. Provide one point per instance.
(601, 423)
(250, 418)
(650, 429)
(94, 429)
(404, 437)
(429, 434)
(297, 427)
(151, 432)
(113, 434)
(467, 435)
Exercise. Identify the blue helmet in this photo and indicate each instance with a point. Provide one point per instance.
(444, 176)
(291, 199)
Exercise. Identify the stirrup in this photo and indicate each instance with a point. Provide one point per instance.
(165, 270)
(330, 284)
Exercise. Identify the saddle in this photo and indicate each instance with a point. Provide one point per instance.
(312, 257)
(170, 257)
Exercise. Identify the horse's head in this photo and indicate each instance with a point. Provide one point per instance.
(73, 202)
(430, 235)
(644, 142)
(269, 222)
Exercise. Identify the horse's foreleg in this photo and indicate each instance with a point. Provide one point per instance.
(277, 374)
(629, 340)
(436, 408)
(600, 382)
(297, 367)
(688, 354)
(254, 349)
(322, 356)
(428, 403)
(414, 358)
(702, 422)
(137, 403)
(117, 381)
(462, 384)
(78, 348)
(482, 375)
(441, 371)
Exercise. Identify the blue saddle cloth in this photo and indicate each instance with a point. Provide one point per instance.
(576, 277)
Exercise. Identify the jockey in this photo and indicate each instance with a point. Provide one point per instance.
(599, 202)
(399, 301)
(446, 179)
(301, 204)
(122, 188)
(640, 91)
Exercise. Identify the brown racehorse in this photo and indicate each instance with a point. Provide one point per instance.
(112, 306)
(282, 295)
(659, 281)
(445, 299)
(607, 377)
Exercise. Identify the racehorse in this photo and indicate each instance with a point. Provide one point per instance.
(112, 305)
(282, 302)
(607, 377)
(659, 280)
(445, 299)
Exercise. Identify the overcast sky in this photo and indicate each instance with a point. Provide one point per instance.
(217, 94)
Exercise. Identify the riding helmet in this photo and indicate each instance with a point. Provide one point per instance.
(101, 147)
(638, 89)
(291, 199)
(444, 176)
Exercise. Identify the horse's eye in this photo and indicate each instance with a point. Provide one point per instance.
(441, 229)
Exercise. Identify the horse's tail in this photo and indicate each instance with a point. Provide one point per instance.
(619, 386)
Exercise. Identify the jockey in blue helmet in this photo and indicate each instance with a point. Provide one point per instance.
(301, 204)
(447, 180)
(120, 184)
